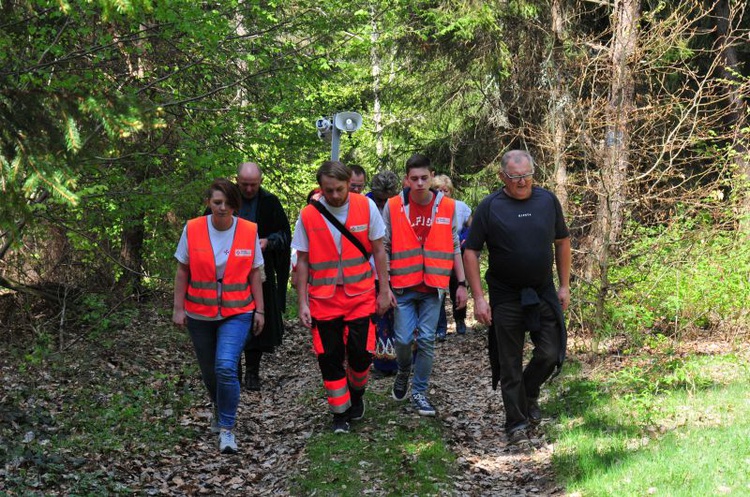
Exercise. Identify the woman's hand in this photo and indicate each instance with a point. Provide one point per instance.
(179, 317)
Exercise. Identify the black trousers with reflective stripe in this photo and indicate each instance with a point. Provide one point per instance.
(335, 351)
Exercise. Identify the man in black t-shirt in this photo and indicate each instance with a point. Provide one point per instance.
(521, 224)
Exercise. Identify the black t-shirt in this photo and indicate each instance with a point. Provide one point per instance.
(519, 235)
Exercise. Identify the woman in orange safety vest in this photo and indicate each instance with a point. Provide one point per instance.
(218, 296)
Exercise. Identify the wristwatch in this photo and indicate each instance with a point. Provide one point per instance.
(462, 283)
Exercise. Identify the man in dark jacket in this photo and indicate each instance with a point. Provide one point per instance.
(524, 229)
(264, 208)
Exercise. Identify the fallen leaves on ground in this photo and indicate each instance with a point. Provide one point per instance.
(273, 425)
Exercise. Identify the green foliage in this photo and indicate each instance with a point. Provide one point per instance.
(681, 277)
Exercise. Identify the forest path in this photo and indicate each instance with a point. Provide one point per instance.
(274, 425)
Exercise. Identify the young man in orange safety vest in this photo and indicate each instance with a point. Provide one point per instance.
(423, 247)
(336, 288)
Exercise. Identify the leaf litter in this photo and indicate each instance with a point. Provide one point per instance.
(274, 425)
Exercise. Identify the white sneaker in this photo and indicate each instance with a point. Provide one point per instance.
(227, 443)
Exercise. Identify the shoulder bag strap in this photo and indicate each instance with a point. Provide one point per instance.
(337, 224)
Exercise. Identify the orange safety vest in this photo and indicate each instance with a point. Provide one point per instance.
(412, 264)
(324, 258)
(203, 288)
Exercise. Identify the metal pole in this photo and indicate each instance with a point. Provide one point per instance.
(335, 139)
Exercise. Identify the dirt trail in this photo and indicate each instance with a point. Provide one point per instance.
(276, 423)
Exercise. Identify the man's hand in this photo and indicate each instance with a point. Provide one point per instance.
(563, 293)
(462, 297)
(304, 316)
(386, 300)
(482, 311)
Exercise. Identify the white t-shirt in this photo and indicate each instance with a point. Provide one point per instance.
(221, 242)
(463, 213)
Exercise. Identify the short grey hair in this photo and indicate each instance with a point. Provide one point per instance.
(386, 183)
(516, 156)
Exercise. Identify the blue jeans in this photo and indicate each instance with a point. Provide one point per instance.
(416, 311)
(218, 345)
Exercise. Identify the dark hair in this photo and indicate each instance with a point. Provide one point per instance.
(359, 171)
(333, 169)
(230, 191)
(417, 161)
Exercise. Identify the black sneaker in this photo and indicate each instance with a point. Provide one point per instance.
(533, 411)
(357, 410)
(517, 437)
(400, 386)
(460, 326)
(340, 424)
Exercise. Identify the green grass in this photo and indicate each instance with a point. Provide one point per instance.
(663, 427)
(391, 452)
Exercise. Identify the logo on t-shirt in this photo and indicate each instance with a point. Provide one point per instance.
(243, 252)
(357, 228)
(525, 214)
(419, 221)
(442, 220)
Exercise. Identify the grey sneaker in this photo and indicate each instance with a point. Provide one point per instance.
(422, 405)
(400, 386)
(517, 437)
(227, 443)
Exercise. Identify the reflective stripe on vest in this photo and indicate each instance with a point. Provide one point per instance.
(203, 288)
(410, 263)
(324, 258)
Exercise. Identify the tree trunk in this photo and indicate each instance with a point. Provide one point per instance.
(736, 119)
(375, 68)
(613, 178)
(131, 257)
(559, 100)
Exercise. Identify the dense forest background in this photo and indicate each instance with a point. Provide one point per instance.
(115, 114)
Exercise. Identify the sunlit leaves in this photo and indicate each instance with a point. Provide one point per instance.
(72, 135)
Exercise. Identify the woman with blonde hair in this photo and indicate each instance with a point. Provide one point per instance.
(463, 219)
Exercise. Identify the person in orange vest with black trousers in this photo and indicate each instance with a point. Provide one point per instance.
(422, 243)
(218, 294)
(334, 238)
